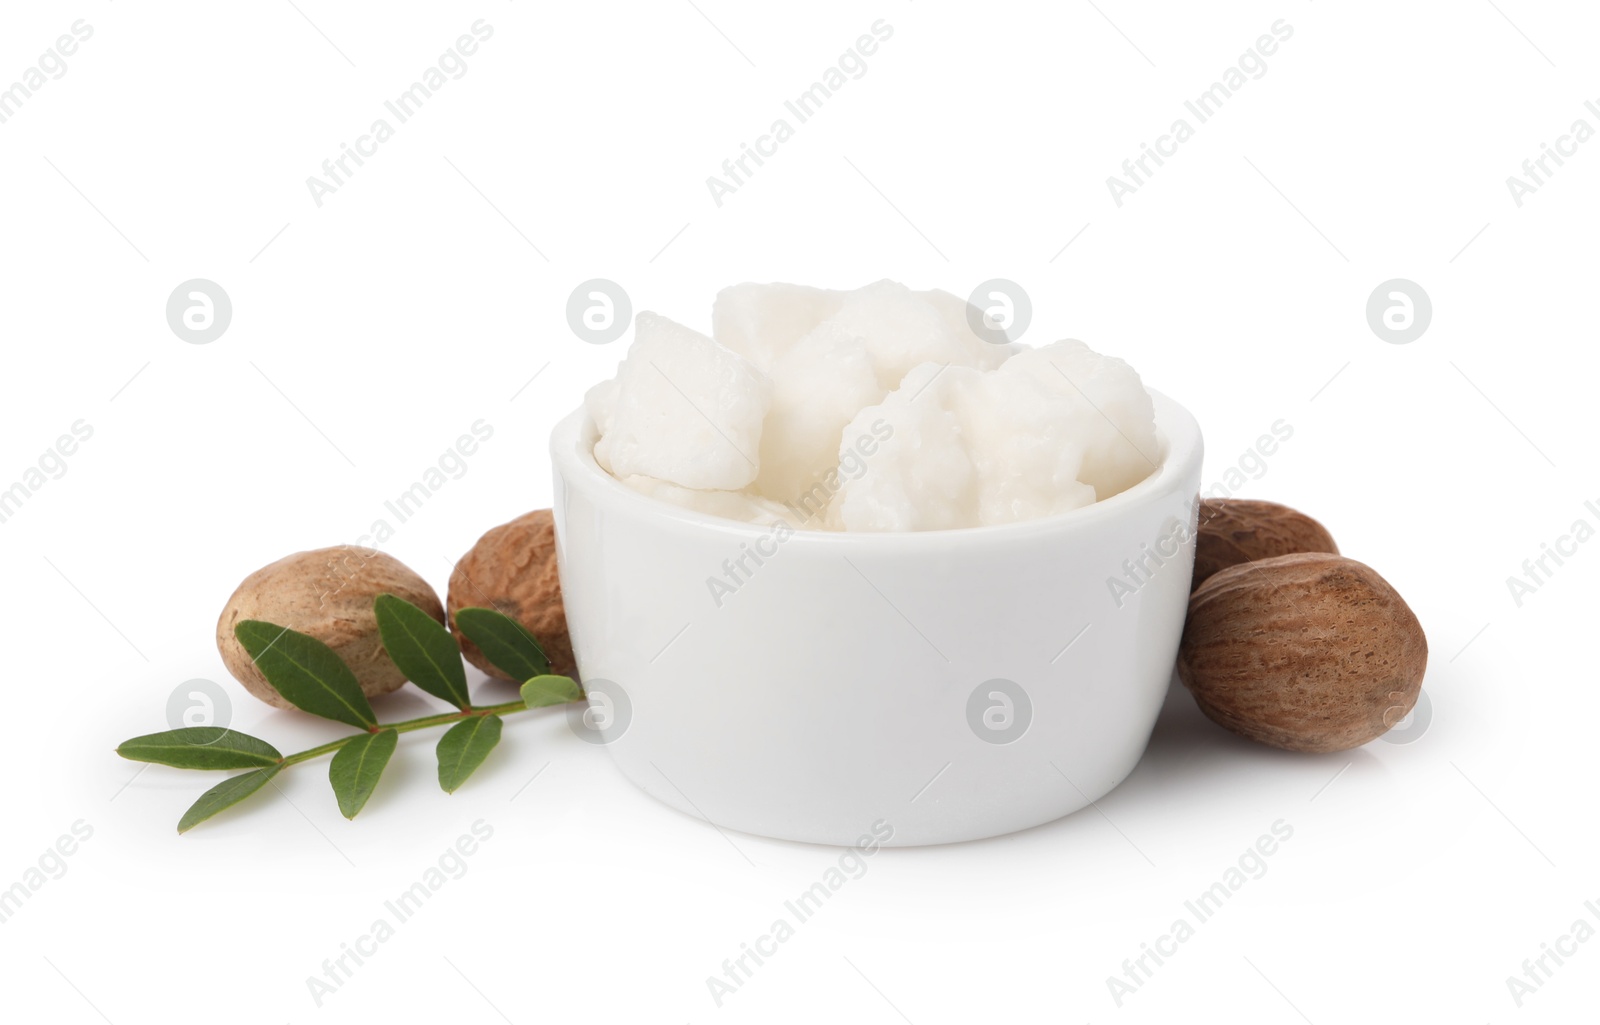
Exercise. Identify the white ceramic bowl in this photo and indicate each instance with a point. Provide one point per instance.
(942, 685)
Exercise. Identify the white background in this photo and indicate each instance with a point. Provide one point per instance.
(429, 292)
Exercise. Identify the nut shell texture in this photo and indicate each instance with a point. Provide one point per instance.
(327, 593)
(512, 569)
(1236, 530)
(1306, 652)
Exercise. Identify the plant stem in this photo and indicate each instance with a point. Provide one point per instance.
(408, 726)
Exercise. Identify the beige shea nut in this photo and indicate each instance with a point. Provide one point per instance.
(327, 593)
(512, 569)
(1235, 530)
(1306, 652)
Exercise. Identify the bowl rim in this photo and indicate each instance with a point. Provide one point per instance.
(1177, 434)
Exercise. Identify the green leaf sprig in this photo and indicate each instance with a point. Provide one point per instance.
(313, 678)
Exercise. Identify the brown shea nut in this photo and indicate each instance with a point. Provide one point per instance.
(512, 569)
(1235, 530)
(1307, 652)
(327, 593)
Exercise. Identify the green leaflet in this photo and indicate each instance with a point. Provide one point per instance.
(464, 747)
(550, 690)
(225, 795)
(201, 747)
(306, 672)
(505, 642)
(356, 767)
(423, 649)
